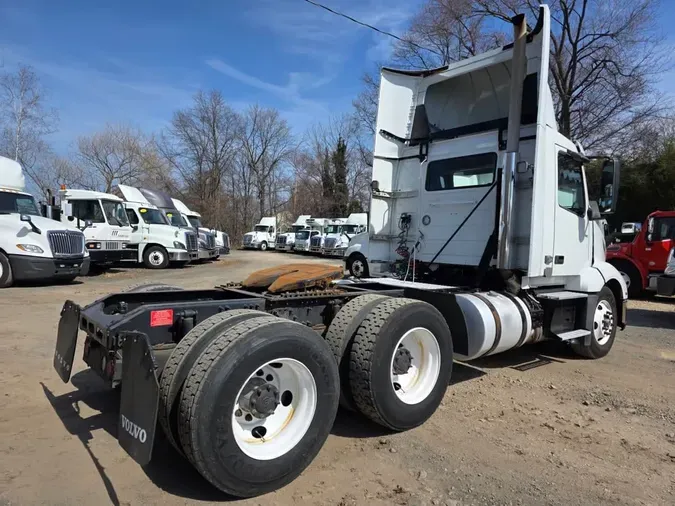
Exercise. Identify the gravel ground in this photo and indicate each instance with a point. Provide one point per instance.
(536, 426)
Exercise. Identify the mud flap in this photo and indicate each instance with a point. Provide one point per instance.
(139, 398)
(66, 340)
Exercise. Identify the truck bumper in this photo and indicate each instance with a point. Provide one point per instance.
(314, 249)
(336, 252)
(665, 285)
(29, 268)
(208, 254)
(102, 256)
(181, 255)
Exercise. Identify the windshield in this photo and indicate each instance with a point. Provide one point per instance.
(115, 213)
(196, 222)
(17, 203)
(260, 228)
(297, 228)
(176, 219)
(152, 216)
(333, 229)
(303, 234)
(350, 229)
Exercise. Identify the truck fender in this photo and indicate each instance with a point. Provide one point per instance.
(592, 279)
(618, 258)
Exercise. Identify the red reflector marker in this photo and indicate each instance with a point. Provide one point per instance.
(161, 317)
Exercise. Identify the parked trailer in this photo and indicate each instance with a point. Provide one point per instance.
(245, 380)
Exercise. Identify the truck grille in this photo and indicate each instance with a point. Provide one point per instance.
(191, 240)
(112, 245)
(66, 243)
(248, 239)
(210, 241)
(330, 243)
(281, 239)
(316, 241)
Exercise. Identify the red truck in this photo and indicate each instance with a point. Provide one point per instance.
(643, 260)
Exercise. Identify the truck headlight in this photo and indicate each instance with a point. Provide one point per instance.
(93, 245)
(178, 245)
(30, 248)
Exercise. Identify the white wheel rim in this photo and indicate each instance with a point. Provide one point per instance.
(357, 267)
(156, 258)
(626, 278)
(603, 322)
(1, 271)
(287, 425)
(415, 385)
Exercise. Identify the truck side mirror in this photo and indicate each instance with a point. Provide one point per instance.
(650, 230)
(87, 224)
(609, 186)
(594, 211)
(27, 219)
(134, 228)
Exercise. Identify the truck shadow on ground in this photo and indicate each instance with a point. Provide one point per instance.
(171, 472)
(650, 318)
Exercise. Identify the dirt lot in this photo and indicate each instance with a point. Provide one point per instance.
(563, 431)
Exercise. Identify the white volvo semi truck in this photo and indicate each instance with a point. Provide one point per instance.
(481, 216)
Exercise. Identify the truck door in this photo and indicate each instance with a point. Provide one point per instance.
(571, 244)
(660, 237)
(136, 226)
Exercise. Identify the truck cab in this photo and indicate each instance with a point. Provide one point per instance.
(263, 236)
(109, 231)
(332, 227)
(208, 249)
(156, 242)
(33, 247)
(336, 243)
(315, 227)
(286, 241)
(643, 260)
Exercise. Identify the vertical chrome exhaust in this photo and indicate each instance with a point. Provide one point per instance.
(518, 68)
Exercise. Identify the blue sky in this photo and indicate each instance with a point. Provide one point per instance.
(136, 62)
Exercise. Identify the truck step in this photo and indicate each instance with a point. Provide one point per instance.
(564, 295)
(573, 334)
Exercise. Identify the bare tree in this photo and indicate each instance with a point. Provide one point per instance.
(114, 155)
(266, 146)
(25, 122)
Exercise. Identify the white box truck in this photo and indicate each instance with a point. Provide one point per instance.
(157, 243)
(33, 247)
(263, 235)
(337, 240)
(315, 228)
(508, 258)
(286, 241)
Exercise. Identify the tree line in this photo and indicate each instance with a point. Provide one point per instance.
(606, 59)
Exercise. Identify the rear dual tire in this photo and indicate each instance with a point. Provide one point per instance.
(213, 404)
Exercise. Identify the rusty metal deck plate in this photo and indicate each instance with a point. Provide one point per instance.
(292, 277)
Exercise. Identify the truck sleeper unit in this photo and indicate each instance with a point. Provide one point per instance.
(246, 379)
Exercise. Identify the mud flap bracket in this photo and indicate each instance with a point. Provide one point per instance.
(139, 398)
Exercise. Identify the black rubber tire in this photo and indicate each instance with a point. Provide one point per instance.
(340, 336)
(6, 277)
(350, 265)
(595, 350)
(373, 346)
(635, 288)
(146, 257)
(183, 357)
(208, 400)
(263, 246)
(151, 287)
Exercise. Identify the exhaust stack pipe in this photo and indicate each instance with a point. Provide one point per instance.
(518, 68)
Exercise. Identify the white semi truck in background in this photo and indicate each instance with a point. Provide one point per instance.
(156, 242)
(33, 247)
(101, 217)
(332, 227)
(481, 213)
(286, 241)
(337, 240)
(263, 236)
(208, 249)
(315, 227)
